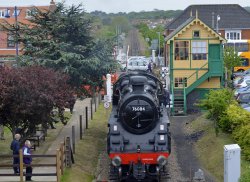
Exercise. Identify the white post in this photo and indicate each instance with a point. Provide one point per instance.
(108, 86)
(153, 56)
(231, 163)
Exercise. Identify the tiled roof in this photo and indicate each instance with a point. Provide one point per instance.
(232, 16)
(189, 20)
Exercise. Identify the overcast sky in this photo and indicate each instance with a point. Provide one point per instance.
(126, 5)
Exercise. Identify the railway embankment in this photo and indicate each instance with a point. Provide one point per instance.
(208, 148)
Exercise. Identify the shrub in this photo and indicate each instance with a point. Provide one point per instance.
(233, 117)
(242, 136)
(216, 102)
(245, 177)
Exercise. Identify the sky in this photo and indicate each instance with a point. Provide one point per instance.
(114, 6)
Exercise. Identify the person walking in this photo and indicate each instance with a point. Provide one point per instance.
(15, 146)
(27, 160)
(150, 67)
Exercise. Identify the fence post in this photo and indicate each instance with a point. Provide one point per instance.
(58, 172)
(62, 156)
(99, 98)
(21, 164)
(95, 101)
(91, 109)
(86, 114)
(68, 158)
(73, 139)
(80, 127)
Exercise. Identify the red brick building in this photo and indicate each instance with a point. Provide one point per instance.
(8, 47)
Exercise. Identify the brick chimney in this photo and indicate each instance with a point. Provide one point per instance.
(52, 5)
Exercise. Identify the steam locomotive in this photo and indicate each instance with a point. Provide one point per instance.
(139, 141)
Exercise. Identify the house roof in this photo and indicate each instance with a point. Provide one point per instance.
(232, 16)
(189, 22)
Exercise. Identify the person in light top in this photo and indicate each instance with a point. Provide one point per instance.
(27, 159)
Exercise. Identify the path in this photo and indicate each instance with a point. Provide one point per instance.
(79, 109)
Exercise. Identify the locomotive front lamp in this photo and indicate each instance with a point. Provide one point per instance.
(162, 137)
(116, 161)
(162, 160)
(115, 127)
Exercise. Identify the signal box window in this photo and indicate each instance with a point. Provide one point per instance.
(196, 34)
(180, 82)
(199, 50)
(182, 50)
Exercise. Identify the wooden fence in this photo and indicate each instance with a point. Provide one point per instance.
(63, 157)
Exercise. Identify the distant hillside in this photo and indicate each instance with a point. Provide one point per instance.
(151, 15)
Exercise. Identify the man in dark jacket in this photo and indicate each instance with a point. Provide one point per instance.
(27, 160)
(15, 146)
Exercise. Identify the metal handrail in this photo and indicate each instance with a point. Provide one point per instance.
(196, 72)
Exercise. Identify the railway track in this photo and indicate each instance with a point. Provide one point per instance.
(134, 43)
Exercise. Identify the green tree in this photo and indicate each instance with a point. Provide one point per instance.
(231, 59)
(62, 40)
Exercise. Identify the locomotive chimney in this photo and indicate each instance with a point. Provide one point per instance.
(138, 82)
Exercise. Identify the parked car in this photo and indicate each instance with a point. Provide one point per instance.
(240, 74)
(243, 98)
(241, 90)
(243, 82)
(124, 64)
(246, 107)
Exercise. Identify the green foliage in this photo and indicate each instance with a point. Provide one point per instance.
(120, 24)
(216, 102)
(229, 116)
(62, 40)
(151, 34)
(242, 136)
(151, 15)
(245, 178)
(231, 58)
(233, 117)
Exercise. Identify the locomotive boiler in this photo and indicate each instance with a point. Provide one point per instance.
(139, 141)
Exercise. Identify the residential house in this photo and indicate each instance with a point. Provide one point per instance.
(9, 49)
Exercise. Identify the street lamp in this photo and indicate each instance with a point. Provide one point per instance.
(217, 23)
(8, 16)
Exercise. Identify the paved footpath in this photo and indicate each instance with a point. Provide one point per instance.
(79, 109)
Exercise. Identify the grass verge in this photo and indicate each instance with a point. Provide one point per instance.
(210, 149)
(88, 149)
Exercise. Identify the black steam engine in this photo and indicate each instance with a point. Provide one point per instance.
(139, 140)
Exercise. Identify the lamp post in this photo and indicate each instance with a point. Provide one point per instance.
(16, 33)
(159, 54)
(217, 23)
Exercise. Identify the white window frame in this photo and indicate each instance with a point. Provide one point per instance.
(233, 34)
(199, 48)
(3, 13)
